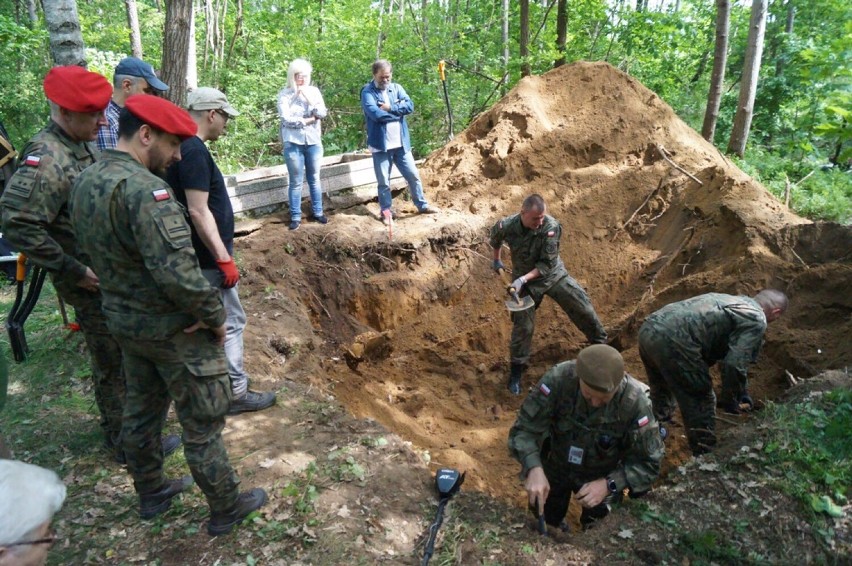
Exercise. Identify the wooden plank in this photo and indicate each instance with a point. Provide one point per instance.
(266, 189)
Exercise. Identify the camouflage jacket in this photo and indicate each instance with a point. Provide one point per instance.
(129, 223)
(531, 249)
(620, 440)
(716, 327)
(34, 206)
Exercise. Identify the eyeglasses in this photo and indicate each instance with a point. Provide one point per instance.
(50, 539)
(225, 116)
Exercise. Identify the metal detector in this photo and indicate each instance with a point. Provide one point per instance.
(447, 482)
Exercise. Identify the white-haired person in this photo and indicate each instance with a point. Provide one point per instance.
(29, 497)
(301, 109)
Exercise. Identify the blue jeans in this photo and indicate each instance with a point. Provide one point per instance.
(404, 161)
(303, 161)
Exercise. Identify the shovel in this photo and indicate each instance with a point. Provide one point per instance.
(447, 482)
(516, 303)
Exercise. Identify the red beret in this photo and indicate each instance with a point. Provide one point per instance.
(76, 89)
(162, 114)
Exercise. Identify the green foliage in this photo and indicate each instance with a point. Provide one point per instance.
(810, 442)
(710, 546)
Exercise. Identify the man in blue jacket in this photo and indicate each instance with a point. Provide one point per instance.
(385, 106)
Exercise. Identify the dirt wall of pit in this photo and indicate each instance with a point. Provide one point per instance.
(412, 331)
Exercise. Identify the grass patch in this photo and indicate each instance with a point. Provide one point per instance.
(810, 442)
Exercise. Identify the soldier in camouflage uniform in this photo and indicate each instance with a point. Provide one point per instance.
(533, 237)
(588, 429)
(167, 318)
(679, 343)
(35, 221)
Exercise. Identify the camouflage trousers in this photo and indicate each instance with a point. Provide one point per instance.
(190, 370)
(573, 300)
(104, 355)
(562, 486)
(679, 373)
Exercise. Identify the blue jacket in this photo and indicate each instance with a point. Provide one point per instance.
(376, 118)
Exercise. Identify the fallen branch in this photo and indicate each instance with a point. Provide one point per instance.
(792, 379)
(663, 152)
(799, 258)
(644, 202)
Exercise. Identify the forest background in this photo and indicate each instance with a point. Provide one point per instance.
(800, 142)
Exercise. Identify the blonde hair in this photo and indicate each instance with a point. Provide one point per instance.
(29, 496)
(298, 67)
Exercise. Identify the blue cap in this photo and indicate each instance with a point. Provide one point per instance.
(139, 68)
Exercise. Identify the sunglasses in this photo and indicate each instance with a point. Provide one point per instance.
(223, 114)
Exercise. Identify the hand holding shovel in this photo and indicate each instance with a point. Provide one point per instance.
(516, 303)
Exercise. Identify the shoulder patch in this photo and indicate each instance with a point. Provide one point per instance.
(32, 160)
(160, 195)
(500, 224)
(551, 233)
(545, 390)
(643, 421)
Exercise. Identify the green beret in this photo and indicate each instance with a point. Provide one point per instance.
(601, 367)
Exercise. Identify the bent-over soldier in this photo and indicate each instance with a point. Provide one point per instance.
(168, 319)
(679, 343)
(587, 428)
(533, 238)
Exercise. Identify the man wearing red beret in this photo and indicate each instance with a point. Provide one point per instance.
(35, 221)
(169, 320)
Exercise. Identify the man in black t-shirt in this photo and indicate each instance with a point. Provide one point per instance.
(199, 185)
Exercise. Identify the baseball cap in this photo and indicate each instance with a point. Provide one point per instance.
(207, 98)
(139, 68)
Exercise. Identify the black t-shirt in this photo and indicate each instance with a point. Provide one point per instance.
(197, 171)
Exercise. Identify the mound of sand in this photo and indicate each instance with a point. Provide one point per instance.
(638, 232)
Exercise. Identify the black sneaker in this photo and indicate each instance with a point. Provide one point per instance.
(153, 503)
(251, 401)
(294, 225)
(322, 219)
(248, 501)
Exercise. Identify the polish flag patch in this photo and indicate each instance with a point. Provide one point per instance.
(161, 194)
(551, 234)
(643, 421)
(545, 390)
(32, 160)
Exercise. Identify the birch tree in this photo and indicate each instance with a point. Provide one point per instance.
(133, 24)
(748, 86)
(63, 27)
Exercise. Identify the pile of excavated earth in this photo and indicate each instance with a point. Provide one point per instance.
(411, 330)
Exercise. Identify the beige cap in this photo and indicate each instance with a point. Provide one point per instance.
(206, 98)
(601, 367)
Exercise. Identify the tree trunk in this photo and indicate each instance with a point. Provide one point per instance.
(32, 13)
(505, 38)
(751, 70)
(192, 55)
(561, 31)
(133, 24)
(717, 79)
(525, 38)
(63, 27)
(781, 61)
(176, 49)
(238, 30)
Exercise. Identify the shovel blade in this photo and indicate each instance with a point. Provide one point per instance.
(521, 304)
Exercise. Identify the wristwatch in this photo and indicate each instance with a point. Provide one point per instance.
(610, 484)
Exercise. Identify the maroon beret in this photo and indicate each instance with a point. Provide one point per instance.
(162, 114)
(76, 89)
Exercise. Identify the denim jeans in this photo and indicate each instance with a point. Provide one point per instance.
(303, 163)
(404, 161)
(235, 323)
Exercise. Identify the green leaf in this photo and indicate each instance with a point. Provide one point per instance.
(824, 504)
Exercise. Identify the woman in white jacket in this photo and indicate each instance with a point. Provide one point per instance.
(301, 109)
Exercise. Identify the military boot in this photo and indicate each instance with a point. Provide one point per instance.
(248, 501)
(155, 502)
(515, 375)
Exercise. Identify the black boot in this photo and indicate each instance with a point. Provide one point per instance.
(153, 503)
(515, 375)
(248, 501)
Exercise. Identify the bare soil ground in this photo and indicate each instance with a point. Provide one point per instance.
(406, 339)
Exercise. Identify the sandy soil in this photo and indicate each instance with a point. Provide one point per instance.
(411, 333)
